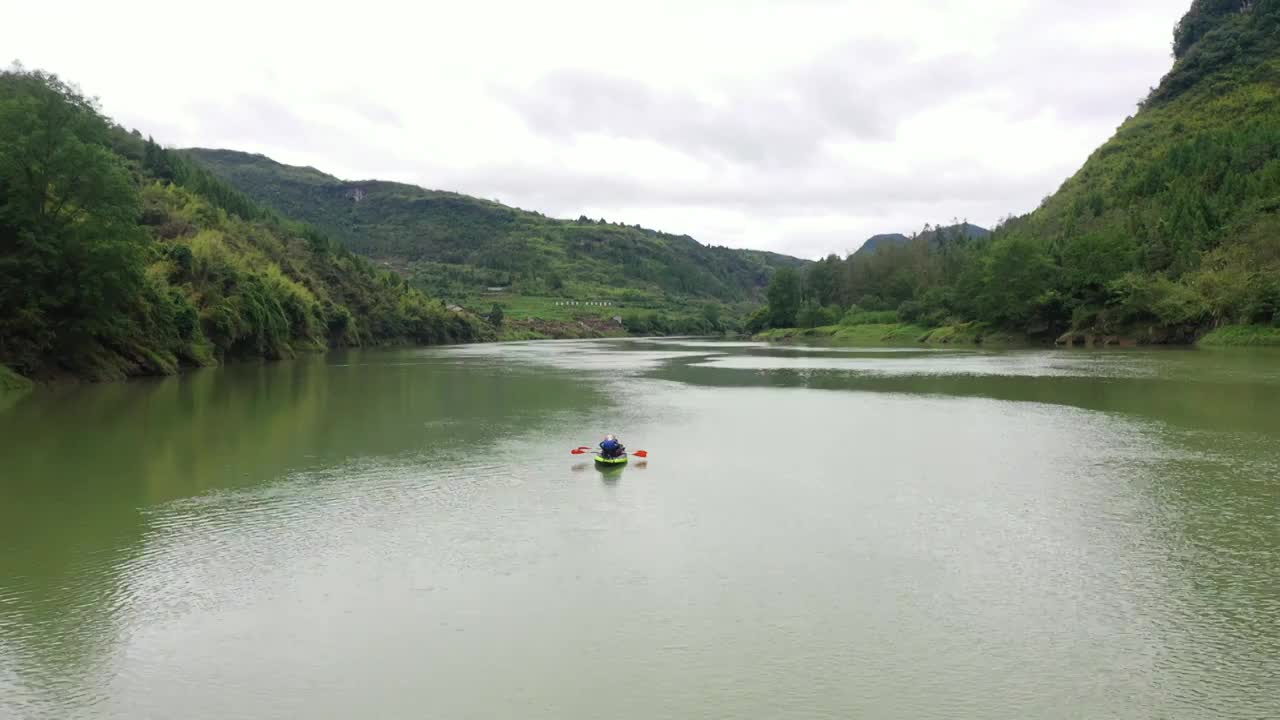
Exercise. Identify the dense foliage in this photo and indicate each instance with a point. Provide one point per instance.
(461, 242)
(118, 257)
(1170, 229)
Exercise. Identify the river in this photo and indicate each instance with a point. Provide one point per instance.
(817, 533)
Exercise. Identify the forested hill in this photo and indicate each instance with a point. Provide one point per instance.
(1170, 230)
(120, 258)
(965, 230)
(405, 224)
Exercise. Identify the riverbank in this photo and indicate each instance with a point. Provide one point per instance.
(12, 386)
(11, 381)
(115, 368)
(895, 334)
(1242, 336)
(1227, 336)
(979, 334)
(546, 329)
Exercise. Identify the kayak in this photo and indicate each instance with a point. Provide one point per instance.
(611, 462)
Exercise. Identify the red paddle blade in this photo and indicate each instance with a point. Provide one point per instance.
(641, 453)
(579, 451)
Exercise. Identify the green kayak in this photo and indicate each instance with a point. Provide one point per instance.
(610, 462)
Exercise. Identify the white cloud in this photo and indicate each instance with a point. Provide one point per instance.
(802, 127)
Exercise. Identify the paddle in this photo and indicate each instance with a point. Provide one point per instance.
(585, 450)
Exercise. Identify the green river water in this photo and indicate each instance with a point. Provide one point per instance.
(818, 533)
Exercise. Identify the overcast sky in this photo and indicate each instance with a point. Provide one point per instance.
(801, 126)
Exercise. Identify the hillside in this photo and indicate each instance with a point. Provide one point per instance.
(459, 244)
(120, 258)
(1169, 231)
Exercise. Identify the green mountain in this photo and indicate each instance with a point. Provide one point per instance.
(931, 235)
(964, 231)
(883, 240)
(120, 258)
(1170, 231)
(460, 244)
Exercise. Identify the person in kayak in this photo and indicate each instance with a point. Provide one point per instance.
(611, 448)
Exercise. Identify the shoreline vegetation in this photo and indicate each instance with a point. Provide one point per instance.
(1242, 336)
(977, 334)
(895, 333)
(562, 317)
(12, 384)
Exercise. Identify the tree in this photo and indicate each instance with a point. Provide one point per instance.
(813, 315)
(1016, 273)
(820, 283)
(756, 321)
(1092, 261)
(70, 246)
(784, 298)
(496, 316)
(1203, 16)
(711, 314)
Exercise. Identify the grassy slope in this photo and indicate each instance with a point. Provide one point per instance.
(873, 334)
(12, 387)
(12, 382)
(897, 334)
(1242, 336)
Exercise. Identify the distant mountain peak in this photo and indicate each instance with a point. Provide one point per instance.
(930, 233)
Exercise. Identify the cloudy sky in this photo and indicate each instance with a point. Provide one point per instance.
(801, 126)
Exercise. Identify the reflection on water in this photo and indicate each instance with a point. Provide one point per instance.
(818, 533)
